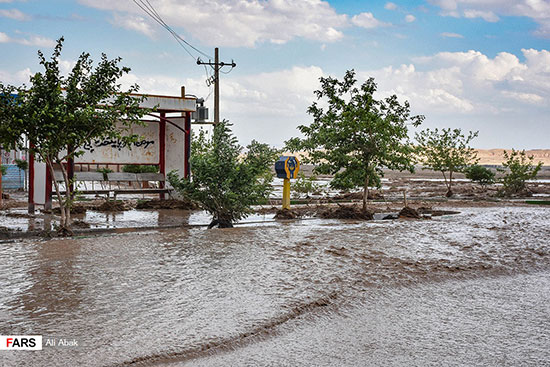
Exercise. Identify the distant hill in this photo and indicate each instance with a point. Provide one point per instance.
(489, 156)
(496, 157)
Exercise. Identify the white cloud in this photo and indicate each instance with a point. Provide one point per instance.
(489, 10)
(409, 18)
(390, 6)
(244, 23)
(470, 83)
(488, 16)
(31, 41)
(36, 41)
(368, 21)
(14, 14)
(4, 38)
(451, 35)
(265, 106)
(525, 97)
(133, 23)
(15, 78)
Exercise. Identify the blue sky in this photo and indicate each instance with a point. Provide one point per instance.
(475, 64)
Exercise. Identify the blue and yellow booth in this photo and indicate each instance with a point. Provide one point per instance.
(287, 167)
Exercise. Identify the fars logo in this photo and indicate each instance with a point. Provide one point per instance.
(20, 342)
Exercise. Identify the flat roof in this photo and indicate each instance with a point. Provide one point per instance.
(168, 103)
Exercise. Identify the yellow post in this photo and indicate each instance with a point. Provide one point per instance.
(286, 194)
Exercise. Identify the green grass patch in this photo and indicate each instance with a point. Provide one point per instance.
(538, 202)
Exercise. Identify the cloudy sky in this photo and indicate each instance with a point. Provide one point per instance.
(475, 64)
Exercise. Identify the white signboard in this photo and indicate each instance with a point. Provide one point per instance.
(143, 151)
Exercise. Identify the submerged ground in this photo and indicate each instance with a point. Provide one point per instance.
(466, 289)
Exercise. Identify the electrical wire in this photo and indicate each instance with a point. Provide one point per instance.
(157, 16)
(148, 8)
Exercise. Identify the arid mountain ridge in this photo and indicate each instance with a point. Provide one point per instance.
(496, 156)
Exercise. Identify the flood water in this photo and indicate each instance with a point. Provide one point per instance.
(467, 289)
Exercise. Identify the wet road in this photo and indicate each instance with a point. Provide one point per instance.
(469, 289)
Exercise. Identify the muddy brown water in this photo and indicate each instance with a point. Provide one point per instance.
(467, 289)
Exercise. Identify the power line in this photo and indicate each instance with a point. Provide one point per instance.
(148, 8)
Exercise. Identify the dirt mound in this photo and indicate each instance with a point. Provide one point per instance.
(408, 212)
(80, 224)
(434, 212)
(77, 209)
(346, 212)
(166, 204)
(113, 206)
(20, 215)
(287, 214)
(373, 195)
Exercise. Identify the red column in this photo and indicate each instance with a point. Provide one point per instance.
(162, 148)
(187, 155)
(48, 203)
(31, 184)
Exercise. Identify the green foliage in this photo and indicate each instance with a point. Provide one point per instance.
(136, 168)
(60, 114)
(446, 151)
(225, 183)
(517, 169)
(482, 175)
(22, 164)
(104, 170)
(356, 136)
(305, 185)
(3, 169)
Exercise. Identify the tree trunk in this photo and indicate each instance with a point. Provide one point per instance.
(366, 192)
(449, 186)
(221, 223)
(64, 223)
(68, 198)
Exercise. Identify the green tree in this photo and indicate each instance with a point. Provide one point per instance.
(517, 169)
(225, 182)
(446, 151)
(482, 175)
(60, 114)
(356, 136)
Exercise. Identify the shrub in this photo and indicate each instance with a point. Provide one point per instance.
(518, 169)
(136, 168)
(3, 169)
(225, 183)
(447, 151)
(481, 175)
(305, 185)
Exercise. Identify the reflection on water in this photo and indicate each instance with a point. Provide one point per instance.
(299, 293)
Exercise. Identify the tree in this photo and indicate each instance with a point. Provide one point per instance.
(305, 185)
(59, 114)
(517, 169)
(356, 136)
(482, 175)
(446, 151)
(225, 182)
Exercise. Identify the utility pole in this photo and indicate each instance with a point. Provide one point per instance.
(217, 65)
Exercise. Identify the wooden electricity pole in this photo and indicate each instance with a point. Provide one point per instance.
(216, 86)
(217, 65)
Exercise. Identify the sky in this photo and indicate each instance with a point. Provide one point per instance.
(480, 65)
